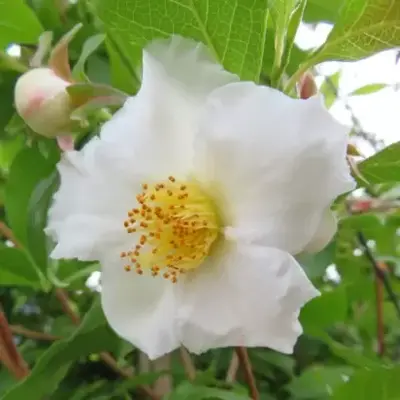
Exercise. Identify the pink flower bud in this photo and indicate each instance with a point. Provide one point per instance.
(42, 101)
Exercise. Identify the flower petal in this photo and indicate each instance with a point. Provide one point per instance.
(86, 218)
(250, 296)
(276, 163)
(324, 233)
(140, 309)
(155, 129)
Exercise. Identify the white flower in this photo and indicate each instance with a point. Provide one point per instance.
(194, 199)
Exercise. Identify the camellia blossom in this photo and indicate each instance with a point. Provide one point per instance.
(195, 198)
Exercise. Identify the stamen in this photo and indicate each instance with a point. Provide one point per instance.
(170, 238)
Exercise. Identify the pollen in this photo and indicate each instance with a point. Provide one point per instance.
(173, 226)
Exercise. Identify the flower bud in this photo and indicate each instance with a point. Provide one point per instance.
(307, 86)
(42, 101)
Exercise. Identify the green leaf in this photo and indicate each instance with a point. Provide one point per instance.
(9, 148)
(233, 30)
(280, 11)
(18, 23)
(22, 181)
(352, 267)
(315, 265)
(38, 206)
(351, 356)
(48, 13)
(187, 391)
(17, 270)
(364, 27)
(368, 89)
(321, 10)
(382, 167)
(329, 88)
(92, 336)
(318, 382)
(381, 383)
(7, 83)
(64, 273)
(267, 358)
(123, 75)
(292, 28)
(314, 317)
(82, 93)
(90, 46)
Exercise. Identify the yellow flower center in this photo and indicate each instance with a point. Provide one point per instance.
(175, 225)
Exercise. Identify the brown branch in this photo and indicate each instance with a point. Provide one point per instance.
(22, 331)
(63, 298)
(232, 369)
(9, 354)
(8, 234)
(107, 358)
(188, 364)
(245, 364)
(163, 384)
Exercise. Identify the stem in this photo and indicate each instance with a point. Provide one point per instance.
(12, 63)
(9, 354)
(188, 364)
(379, 314)
(232, 369)
(22, 331)
(245, 363)
(163, 384)
(63, 298)
(8, 234)
(291, 83)
(382, 275)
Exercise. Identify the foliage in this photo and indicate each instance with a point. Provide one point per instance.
(65, 340)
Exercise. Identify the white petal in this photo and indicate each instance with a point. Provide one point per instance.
(250, 296)
(276, 163)
(155, 129)
(140, 309)
(324, 233)
(86, 218)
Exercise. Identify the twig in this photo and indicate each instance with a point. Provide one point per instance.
(382, 275)
(355, 121)
(20, 330)
(8, 234)
(245, 363)
(63, 298)
(108, 359)
(379, 313)
(163, 384)
(144, 366)
(188, 364)
(9, 354)
(232, 369)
